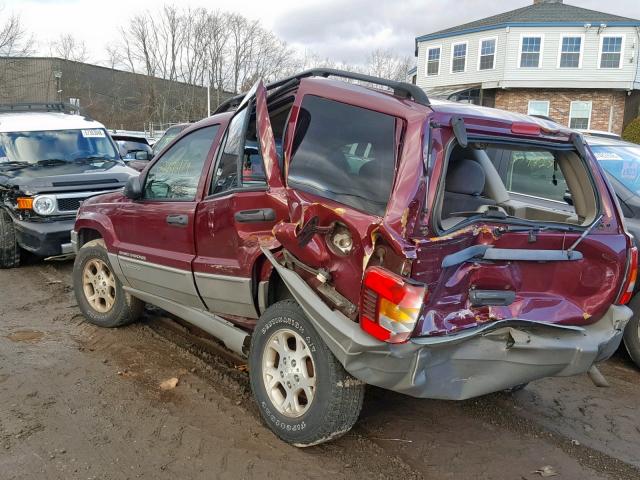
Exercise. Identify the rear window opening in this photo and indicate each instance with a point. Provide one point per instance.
(344, 153)
(509, 182)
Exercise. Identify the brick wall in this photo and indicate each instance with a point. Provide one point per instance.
(517, 100)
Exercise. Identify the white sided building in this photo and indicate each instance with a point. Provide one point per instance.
(577, 66)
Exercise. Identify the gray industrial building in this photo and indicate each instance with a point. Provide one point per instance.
(117, 98)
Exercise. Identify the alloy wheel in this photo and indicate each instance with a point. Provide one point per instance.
(288, 373)
(99, 285)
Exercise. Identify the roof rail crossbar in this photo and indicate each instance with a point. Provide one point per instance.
(400, 89)
(38, 107)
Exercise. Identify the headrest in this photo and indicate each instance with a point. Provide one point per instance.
(466, 177)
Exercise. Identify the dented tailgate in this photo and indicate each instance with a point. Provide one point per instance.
(574, 292)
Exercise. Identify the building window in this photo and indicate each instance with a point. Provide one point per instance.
(580, 115)
(611, 52)
(433, 61)
(530, 48)
(538, 107)
(570, 52)
(487, 54)
(459, 57)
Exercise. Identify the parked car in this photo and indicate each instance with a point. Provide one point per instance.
(375, 244)
(171, 133)
(621, 161)
(601, 133)
(50, 161)
(134, 150)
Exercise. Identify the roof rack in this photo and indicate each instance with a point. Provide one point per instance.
(400, 89)
(39, 107)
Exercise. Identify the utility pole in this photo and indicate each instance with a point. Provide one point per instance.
(209, 99)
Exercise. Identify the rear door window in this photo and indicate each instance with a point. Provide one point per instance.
(344, 153)
(534, 173)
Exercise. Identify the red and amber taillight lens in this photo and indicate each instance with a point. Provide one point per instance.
(389, 305)
(630, 281)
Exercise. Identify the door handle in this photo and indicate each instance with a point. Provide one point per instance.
(483, 298)
(255, 216)
(177, 219)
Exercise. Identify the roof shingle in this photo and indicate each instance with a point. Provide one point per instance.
(543, 12)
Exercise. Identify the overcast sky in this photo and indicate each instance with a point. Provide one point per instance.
(343, 30)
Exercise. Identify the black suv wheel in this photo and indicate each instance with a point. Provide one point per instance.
(304, 395)
(9, 250)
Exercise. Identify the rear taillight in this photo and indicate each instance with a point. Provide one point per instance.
(389, 305)
(630, 281)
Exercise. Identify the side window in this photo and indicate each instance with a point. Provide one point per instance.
(536, 174)
(175, 176)
(344, 153)
(230, 173)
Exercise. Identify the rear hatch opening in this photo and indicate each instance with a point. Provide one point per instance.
(515, 183)
(518, 234)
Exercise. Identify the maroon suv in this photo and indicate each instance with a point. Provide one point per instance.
(341, 235)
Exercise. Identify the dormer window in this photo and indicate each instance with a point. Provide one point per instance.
(530, 51)
(611, 51)
(458, 57)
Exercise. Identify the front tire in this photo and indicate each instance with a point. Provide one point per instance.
(9, 250)
(304, 394)
(98, 291)
(632, 332)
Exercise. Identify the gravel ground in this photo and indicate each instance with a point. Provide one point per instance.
(81, 402)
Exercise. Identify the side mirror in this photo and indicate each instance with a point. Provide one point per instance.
(142, 155)
(133, 188)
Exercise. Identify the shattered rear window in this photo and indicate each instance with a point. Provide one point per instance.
(344, 153)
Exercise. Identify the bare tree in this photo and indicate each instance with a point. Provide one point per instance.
(388, 64)
(67, 47)
(216, 40)
(114, 56)
(225, 51)
(14, 40)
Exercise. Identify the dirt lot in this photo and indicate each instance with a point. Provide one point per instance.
(81, 402)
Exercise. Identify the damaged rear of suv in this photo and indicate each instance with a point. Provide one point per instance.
(359, 236)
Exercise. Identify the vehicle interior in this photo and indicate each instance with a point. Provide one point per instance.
(504, 181)
(252, 167)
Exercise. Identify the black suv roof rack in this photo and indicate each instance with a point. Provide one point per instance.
(400, 89)
(39, 107)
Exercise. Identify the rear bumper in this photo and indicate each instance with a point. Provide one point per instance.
(469, 364)
(492, 360)
(45, 239)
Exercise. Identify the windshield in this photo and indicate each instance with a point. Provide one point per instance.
(623, 163)
(56, 145)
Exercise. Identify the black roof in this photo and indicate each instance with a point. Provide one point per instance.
(552, 12)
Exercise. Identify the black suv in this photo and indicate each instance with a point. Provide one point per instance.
(50, 161)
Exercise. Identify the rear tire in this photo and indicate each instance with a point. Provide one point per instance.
(98, 291)
(310, 398)
(632, 332)
(9, 250)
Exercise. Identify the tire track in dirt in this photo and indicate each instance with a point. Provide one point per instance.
(420, 438)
